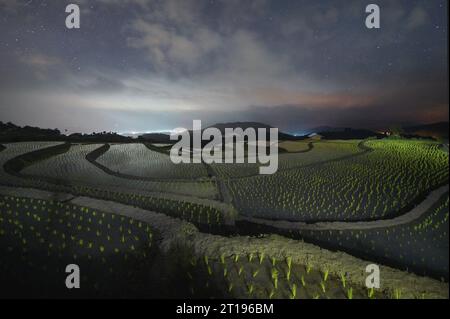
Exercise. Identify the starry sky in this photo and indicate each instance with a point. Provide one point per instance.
(150, 65)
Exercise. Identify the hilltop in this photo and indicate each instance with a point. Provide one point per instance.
(10, 132)
(435, 130)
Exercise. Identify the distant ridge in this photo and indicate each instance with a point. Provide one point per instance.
(322, 129)
(435, 130)
(243, 125)
(156, 138)
(350, 134)
(165, 138)
(256, 125)
(10, 132)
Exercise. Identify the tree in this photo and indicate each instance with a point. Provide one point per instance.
(396, 130)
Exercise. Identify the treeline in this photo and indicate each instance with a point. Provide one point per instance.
(10, 132)
(351, 134)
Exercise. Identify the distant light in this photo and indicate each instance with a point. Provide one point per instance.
(178, 130)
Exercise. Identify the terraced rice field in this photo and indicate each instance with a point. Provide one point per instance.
(138, 160)
(321, 152)
(332, 181)
(422, 245)
(197, 210)
(119, 257)
(13, 150)
(295, 146)
(38, 238)
(264, 277)
(373, 185)
(72, 167)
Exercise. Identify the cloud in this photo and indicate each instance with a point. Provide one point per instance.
(169, 49)
(179, 42)
(40, 61)
(12, 5)
(173, 36)
(41, 65)
(417, 18)
(164, 63)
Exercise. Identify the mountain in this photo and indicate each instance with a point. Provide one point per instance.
(165, 138)
(350, 134)
(10, 132)
(256, 125)
(322, 129)
(435, 130)
(156, 138)
(102, 137)
(243, 125)
(15, 133)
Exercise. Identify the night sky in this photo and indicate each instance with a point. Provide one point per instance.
(142, 65)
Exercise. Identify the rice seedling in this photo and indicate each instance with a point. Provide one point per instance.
(288, 274)
(293, 291)
(274, 261)
(250, 289)
(397, 293)
(350, 293)
(289, 262)
(302, 279)
(308, 268)
(271, 294)
(323, 287)
(343, 279)
(371, 293)
(230, 287)
(261, 257)
(274, 274)
(325, 275)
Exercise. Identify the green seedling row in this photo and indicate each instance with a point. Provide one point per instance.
(377, 184)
